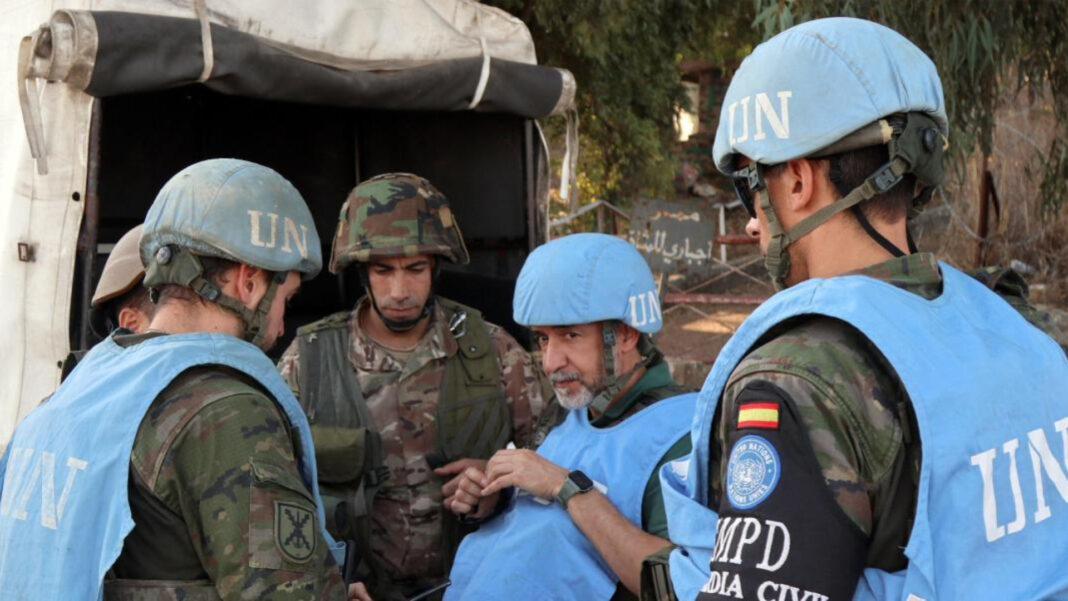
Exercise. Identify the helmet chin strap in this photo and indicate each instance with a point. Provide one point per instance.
(777, 260)
(176, 265)
(915, 146)
(613, 383)
(398, 325)
(255, 321)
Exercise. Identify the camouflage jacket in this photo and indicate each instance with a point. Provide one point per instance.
(212, 464)
(407, 513)
(842, 388)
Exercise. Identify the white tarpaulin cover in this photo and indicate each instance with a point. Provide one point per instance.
(41, 209)
(367, 34)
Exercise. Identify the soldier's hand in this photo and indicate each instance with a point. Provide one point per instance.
(358, 592)
(463, 493)
(525, 469)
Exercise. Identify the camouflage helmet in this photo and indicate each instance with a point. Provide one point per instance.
(396, 215)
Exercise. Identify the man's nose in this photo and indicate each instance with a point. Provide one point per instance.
(753, 228)
(552, 360)
(398, 287)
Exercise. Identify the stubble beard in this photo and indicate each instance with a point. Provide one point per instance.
(572, 400)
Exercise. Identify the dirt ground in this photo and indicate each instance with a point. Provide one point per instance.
(693, 334)
(691, 341)
(689, 335)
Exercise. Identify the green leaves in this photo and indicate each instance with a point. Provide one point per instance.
(983, 50)
(624, 54)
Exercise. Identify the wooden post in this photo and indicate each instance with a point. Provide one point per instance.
(600, 218)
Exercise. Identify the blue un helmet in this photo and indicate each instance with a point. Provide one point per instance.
(234, 210)
(588, 278)
(825, 87)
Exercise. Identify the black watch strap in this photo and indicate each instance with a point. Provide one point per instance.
(575, 484)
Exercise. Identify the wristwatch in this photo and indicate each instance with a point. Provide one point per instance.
(575, 484)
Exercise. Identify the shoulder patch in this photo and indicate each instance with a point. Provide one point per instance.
(294, 532)
(752, 472)
(761, 414)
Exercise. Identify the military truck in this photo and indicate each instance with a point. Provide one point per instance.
(115, 96)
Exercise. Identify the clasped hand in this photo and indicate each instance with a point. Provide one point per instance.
(476, 484)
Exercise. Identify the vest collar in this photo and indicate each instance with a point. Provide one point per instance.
(367, 355)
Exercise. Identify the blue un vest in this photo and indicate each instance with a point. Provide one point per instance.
(63, 508)
(990, 394)
(534, 551)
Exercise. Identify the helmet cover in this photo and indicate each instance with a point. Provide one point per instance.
(395, 215)
(587, 278)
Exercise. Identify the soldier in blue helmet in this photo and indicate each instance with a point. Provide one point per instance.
(860, 436)
(586, 506)
(175, 463)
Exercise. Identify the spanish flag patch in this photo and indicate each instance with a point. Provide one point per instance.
(758, 415)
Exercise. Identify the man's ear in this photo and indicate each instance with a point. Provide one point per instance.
(249, 284)
(800, 179)
(133, 320)
(626, 337)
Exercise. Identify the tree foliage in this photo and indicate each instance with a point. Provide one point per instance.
(624, 55)
(982, 49)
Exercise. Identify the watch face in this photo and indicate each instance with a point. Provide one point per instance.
(581, 480)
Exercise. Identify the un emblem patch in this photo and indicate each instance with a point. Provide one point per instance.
(752, 472)
(294, 531)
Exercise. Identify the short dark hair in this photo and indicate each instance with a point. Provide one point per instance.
(214, 268)
(137, 298)
(847, 170)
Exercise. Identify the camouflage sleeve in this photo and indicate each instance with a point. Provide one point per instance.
(806, 454)
(230, 473)
(288, 366)
(843, 390)
(521, 382)
(1013, 289)
(779, 530)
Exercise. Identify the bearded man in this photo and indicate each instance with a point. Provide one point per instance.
(586, 507)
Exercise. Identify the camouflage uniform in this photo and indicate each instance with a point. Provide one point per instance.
(212, 463)
(1012, 287)
(854, 410)
(408, 541)
(219, 506)
(406, 536)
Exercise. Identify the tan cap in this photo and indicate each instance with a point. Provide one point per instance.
(122, 271)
